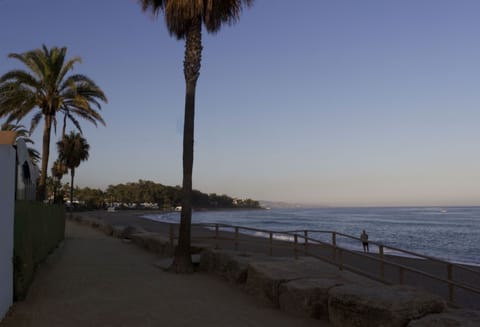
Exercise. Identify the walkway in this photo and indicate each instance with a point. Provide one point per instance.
(96, 280)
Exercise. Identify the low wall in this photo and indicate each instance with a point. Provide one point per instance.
(7, 192)
(38, 229)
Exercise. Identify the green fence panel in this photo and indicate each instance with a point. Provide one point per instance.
(38, 229)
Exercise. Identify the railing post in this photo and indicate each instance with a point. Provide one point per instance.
(305, 235)
(401, 276)
(270, 250)
(216, 236)
(450, 279)
(236, 238)
(382, 265)
(295, 244)
(334, 244)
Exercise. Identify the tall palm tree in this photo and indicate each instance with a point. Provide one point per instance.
(72, 150)
(184, 20)
(24, 134)
(45, 86)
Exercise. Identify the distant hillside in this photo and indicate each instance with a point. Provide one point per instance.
(148, 193)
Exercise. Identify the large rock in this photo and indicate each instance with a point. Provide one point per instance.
(307, 297)
(232, 266)
(265, 277)
(152, 242)
(453, 318)
(198, 248)
(392, 306)
(125, 231)
(106, 228)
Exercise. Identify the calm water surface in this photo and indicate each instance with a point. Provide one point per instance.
(451, 233)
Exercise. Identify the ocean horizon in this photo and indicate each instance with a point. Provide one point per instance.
(448, 233)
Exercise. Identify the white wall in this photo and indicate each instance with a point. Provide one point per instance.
(7, 201)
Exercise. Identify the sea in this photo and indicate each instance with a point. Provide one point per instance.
(449, 233)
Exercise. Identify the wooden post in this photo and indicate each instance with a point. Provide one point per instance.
(216, 236)
(305, 236)
(236, 238)
(450, 279)
(270, 250)
(401, 276)
(334, 244)
(382, 264)
(295, 250)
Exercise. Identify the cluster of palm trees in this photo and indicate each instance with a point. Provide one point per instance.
(44, 90)
(46, 87)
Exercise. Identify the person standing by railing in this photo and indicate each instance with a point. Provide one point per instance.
(364, 239)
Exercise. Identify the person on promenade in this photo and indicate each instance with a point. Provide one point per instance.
(364, 239)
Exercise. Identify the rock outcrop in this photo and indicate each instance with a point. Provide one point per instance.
(307, 297)
(392, 306)
(265, 277)
(232, 266)
(452, 318)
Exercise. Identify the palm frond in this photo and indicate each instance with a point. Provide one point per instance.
(34, 155)
(180, 14)
(35, 120)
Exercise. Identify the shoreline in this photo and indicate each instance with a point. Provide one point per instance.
(283, 237)
(254, 244)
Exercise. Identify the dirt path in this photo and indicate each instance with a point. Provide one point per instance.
(96, 280)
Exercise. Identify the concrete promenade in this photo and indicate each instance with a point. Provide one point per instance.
(96, 280)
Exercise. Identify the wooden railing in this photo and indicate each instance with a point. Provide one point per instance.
(301, 242)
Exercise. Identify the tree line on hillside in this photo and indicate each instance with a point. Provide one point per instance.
(156, 195)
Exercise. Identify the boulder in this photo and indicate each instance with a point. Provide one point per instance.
(125, 231)
(452, 318)
(198, 248)
(392, 306)
(129, 230)
(106, 228)
(117, 230)
(265, 277)
(93, 222)
(152, 242)
(307, 297)
(230, 265)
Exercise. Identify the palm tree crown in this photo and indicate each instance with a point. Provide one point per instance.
(46, 86)
(72, 150)
(184, 20)
(179, 14)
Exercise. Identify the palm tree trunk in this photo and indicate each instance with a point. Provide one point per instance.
(64, 125)
(72, 174)
(182, 262)
(41, 191)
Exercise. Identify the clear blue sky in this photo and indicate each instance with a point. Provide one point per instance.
(372, 102)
